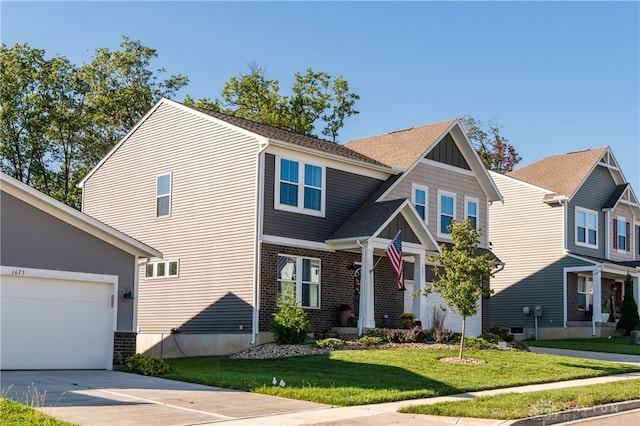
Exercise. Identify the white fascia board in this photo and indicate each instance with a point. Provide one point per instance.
(294, 242)
(75, 218)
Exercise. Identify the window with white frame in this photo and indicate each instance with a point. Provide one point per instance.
(446, 212)
(302, 276)
(419, 197)
(163, 269)
(586, 227)
(300, 187)
(471, 210)
(163, 195)
(585, 293)
(622, 234)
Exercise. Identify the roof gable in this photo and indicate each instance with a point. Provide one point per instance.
(563, 174)
(447, 152)
(75, 218)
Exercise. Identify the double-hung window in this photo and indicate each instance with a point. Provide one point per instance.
(586, 227)
(163, 195)
(585, 293)
(622, 234)
(419, 196)
(471, 210)
(301, 275)
(300, 187)
(446, 212)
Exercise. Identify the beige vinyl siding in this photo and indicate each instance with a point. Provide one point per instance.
(212, 222)
(463, 184)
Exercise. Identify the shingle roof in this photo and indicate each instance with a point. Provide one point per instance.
(291, 137)
(367, 219)
(615, 197)
(403, 147)
(562, 173)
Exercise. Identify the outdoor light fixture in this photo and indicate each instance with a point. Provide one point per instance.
(127, 294)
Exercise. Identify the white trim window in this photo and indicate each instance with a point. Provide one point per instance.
(586, 228)
(163, 269)
(300, 187)
(585, 293)
(446, 212)
(621, 234)
(163, 195)
(302, 276)
(471, 210)
(419, 197)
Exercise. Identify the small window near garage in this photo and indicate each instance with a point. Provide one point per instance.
(164, 269)
(516, 330)
(585, 293)
(163, 195)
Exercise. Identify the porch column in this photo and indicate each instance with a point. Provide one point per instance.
(366, 314)
(419, 302)
(636, 291)
(597, 296)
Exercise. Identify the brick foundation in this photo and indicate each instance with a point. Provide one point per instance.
(124, 345)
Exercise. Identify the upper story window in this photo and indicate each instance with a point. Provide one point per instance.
(163, 195)
(419, 197)
(621, 234)
(586, 227)
(302, 276)
(446, 212)
(163, 269)
(471, 210)
(300, 187)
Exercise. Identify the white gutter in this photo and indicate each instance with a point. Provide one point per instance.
(255, 320)
(363, 285)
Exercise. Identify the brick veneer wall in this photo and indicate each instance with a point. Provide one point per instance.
(124, 345)
(388, 300)
(336, 285)
(575, 314)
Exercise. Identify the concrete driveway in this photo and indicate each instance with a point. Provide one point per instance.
(94, 397)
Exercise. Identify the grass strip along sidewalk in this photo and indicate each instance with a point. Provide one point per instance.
(511, 406)
(615, 345)
(357, 377)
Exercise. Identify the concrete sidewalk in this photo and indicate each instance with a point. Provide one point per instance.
(116, 398)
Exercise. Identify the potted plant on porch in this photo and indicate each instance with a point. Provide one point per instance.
(346, 317)
(407, 319)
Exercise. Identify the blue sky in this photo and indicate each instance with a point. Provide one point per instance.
(558, 76)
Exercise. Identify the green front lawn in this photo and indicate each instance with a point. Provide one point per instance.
(355, 377)
(615, 345)
(521, 405)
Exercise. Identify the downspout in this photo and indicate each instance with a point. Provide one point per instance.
(263, 144)
(363, 285)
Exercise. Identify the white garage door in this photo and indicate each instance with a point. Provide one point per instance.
(55, 323)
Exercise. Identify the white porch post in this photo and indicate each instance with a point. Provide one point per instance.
(366, 315)
(597, 298)
(419, 302)
(636, 291)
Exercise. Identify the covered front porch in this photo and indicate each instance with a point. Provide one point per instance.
(593, 295)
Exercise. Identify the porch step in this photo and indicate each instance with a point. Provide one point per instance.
(348, 332)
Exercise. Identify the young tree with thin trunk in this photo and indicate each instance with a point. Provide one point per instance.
(461, 274)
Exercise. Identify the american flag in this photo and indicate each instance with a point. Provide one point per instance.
(394, 254)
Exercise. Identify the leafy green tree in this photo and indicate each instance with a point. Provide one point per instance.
(495, 151)
(461, 274)
(58, 120)
(316, 98)
(629, 318)
(290, 324)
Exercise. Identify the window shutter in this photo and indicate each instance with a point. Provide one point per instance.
(628, 236)
(615, 233)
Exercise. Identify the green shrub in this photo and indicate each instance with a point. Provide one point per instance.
(290, 325)
(475, 343)
(331, 343)
(503, 332)
(443, 335)
(492, 337)
(369, 341)
(380, 333)
(629, 319)
(396, 335)
(146, 365)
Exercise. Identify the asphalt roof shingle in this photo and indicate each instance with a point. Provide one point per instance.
(562, 173)
(403, 147)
